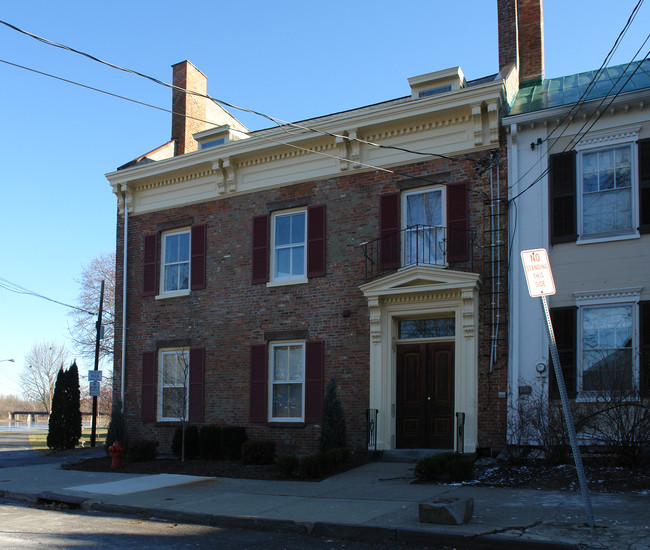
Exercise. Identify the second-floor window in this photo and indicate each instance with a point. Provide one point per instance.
(600, 193)
(288, 259)
(424, 226)
(607, 197)
(289, 246)
(176, 261)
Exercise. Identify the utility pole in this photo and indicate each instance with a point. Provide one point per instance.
(93, 432)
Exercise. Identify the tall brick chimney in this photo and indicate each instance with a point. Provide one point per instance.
(188, 77)
(521, 38)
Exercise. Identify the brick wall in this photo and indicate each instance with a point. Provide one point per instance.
(232, 314)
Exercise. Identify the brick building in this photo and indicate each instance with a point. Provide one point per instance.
(367, 245)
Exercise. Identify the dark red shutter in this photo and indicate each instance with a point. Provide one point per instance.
(149, 386)
(562, 200)
(258, 384)
(197, 264)
(644, 348)
(150, 265)
(389, 227)
(564, 321)
(197, 368)
(260, 249)
(457, 223)
(644, 186)
(314, 366)
(316, 241)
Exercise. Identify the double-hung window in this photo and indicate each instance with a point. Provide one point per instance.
(424, 227)
(289, 259)
(289, 246)
(175, 262)
(174, 384)
(607, 195)
(598, 192)
(607, 348)
(287, 381)
(604, 344)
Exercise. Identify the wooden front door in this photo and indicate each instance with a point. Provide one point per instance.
(425, 396)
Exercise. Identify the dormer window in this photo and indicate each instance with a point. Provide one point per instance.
(435, 91)
(212, 143)
(439, 82)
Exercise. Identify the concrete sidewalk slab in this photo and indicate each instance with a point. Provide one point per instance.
(374, 502)
(137, 484)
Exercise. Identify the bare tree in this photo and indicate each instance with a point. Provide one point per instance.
(83, 329)
(38, 377)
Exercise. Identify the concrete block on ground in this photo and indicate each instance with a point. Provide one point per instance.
(447, 511)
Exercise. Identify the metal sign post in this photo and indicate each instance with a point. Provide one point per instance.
(541, 284)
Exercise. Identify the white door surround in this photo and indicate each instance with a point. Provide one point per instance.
(420, 292)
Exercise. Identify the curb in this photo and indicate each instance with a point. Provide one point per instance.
(360, 533)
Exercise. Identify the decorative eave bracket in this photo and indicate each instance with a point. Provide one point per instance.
(226, 175)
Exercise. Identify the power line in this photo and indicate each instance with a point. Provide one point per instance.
(582, 100)
(483, 163)
(591, 84)
(17, 289)
(223, 103)
(598, 110)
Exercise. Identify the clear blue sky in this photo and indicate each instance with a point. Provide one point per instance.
(290, 59)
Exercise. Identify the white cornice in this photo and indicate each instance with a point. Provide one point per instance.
(274, 157)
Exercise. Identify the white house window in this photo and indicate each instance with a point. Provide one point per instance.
(607, 348)
(287, 376)
(423, 223)
(176, 261)
(174, 384)
(289, 245)
(607, 191)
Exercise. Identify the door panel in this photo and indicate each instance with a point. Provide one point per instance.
(425, 396)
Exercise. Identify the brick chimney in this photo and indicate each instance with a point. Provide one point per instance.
(521, 38)
(188, 77)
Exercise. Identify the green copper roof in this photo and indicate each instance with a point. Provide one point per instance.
(564, 90)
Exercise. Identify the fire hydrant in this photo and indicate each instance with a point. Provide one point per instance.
(117, 452)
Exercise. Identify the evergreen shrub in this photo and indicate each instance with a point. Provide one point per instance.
(232, 439)
(258, 452)
(142, 450)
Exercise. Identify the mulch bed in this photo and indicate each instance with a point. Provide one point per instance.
(487, 473)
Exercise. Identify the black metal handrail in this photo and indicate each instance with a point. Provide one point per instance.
(420, 245)
(371, 428)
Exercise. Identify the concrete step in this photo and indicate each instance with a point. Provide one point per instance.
(410, 455)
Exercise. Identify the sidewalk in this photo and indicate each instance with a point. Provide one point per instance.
(374, 502)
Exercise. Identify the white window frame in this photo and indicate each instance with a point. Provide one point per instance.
(163, 263)
(602, 141)
(291, 279)
(272, 382)
(443, 223)
(604, 298)
(162, 353)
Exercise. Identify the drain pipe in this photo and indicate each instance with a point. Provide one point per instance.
(124, 288)
(496, 284)
(493, 322)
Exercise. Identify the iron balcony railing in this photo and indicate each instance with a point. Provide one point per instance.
(444, 247)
